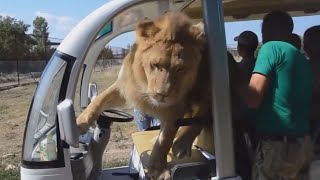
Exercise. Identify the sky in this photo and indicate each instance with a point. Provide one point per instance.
(63, 15)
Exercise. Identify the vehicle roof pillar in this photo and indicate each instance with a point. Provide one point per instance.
(223, 136)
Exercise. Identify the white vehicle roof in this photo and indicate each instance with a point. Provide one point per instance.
(235, 10)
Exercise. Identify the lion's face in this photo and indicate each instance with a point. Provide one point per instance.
(166, 67)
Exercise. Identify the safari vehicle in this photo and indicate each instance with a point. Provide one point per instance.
(53, 147)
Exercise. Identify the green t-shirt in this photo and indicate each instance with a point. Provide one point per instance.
(287, 101)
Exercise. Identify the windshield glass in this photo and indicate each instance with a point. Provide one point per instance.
(127, 20)
(42, 119)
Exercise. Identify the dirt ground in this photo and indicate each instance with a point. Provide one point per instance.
(14, 106)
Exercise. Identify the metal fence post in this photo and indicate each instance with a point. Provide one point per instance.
(17, 57)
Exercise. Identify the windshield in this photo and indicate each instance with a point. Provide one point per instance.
(42, 117)
(127, 20)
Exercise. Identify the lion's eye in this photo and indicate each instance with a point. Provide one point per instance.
(155, 66)
(180, 70)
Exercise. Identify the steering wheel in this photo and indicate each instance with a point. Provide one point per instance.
(114, 115)
(107, 117)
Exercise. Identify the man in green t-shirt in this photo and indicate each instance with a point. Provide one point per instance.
(280, 90)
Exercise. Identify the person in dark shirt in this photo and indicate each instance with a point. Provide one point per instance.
(295, 40)
(242, 157)
(247, 45)
(311, 41)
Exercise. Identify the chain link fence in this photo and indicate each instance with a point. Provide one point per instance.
(28, 70)
(13, 74)
(25, 68)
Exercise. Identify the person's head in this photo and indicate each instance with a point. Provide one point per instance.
(247, 43)
(311, 42)
(295, 40)
(276, 26)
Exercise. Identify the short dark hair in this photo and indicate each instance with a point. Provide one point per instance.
(248, 41)
(279, 20)
(295, 40)
(248, 49)
(312, 34)
(311, 38)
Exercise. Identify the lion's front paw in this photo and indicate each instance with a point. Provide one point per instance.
(157, 168)
(182, 148)
(158, 174)
(84, 121)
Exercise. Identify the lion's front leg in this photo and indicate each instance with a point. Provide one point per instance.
(157, 168)
(107, 99)
(182, 147)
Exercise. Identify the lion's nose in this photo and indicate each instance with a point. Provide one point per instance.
(160, 96)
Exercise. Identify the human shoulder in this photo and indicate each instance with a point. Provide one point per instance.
(276, 50)
(268, 57)
(268, 47)
(269, 50)
(275, 44)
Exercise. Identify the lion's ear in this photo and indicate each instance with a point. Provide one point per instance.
(146, 29)
(197, 32)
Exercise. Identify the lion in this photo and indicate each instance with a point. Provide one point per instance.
(166, 75)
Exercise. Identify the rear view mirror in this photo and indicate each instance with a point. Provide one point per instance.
(67, 123)
(93, 91)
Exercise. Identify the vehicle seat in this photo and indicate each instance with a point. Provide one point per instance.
(188, 168)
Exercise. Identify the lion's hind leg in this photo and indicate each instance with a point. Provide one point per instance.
(110, 98)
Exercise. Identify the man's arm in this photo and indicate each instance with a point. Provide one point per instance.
(266, 64)
(253, 93)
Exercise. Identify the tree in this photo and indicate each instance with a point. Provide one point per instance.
(123, 52)
(128, 47)
(14, 43)
(106, 53)
(40, 35)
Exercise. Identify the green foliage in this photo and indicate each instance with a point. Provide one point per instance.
(14, 42)
(4, 109)
(40, 35)
(106, 53)
(9, 175)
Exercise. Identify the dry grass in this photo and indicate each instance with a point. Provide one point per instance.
(7, 78)
(14, 106)
(119, 147)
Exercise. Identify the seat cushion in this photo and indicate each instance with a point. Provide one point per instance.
(144, 141)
